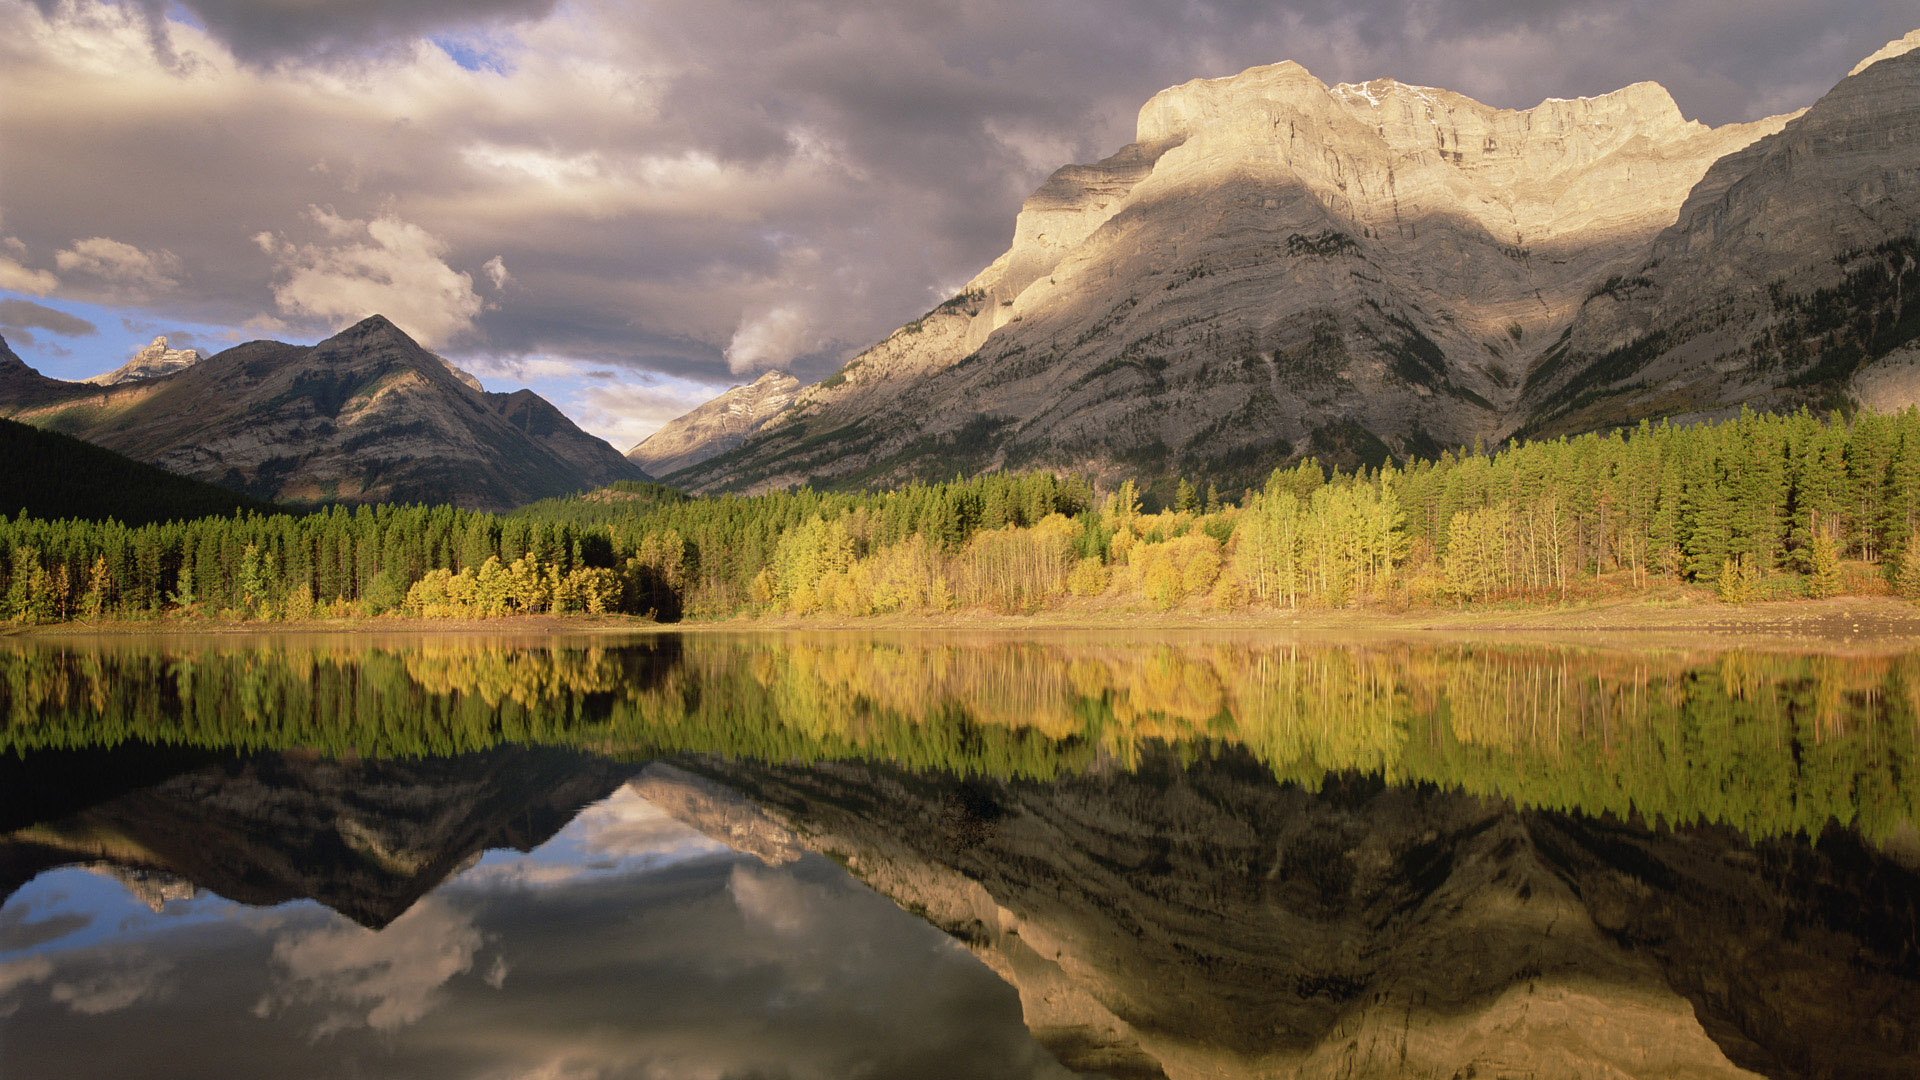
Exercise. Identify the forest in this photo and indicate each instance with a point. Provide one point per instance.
(1757, 507)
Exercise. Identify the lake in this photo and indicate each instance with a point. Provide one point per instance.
(987, 854)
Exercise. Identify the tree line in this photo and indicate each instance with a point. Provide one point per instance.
(1759, 506)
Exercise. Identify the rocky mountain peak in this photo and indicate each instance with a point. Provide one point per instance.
(1204, 104)
(374, 331)
(1897, 47)
(1277, 267)
(717, 426)
(149, 363)
(9, 360)
(18, 378)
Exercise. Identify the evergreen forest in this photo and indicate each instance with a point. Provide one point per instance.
(1757, 507)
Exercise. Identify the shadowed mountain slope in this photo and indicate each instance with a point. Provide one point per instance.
(364, 416)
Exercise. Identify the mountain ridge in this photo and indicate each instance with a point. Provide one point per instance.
(1276, 268)
(366, 415)
(715, 427)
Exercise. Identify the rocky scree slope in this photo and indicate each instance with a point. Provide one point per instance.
(364, 416)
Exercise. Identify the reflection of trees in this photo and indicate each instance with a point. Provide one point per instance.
(1772, 743)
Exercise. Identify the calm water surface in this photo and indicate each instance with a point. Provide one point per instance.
(954, 856)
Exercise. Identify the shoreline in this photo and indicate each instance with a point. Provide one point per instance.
(1856, 622)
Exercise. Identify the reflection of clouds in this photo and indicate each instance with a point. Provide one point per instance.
(780, 902)
(17, 932)
(18, 974)
(113, 990)
(621, 834)
(680, 960)
(394, 974)
(624, 825)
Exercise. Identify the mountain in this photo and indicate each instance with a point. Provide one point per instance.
(717, 426)
(151, 362)
(364, 416)
(1276, 267)
(18, 382)
(50, 475)
(1783, 281)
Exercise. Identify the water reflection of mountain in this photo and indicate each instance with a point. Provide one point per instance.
(1198, 919)
(365, 838)
(1211, 856)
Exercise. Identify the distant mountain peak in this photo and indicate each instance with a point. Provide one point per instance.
(372, 328)
(717, 426)
(149, 363)
(365, 416)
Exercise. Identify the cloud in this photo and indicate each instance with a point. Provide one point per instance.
(383, 979)
(17, 314)
(701, 188)
(270, 30)
(626, 413)
(385, 266)
(771, 339)
(15, 277)
(127, 271)
(496, 269)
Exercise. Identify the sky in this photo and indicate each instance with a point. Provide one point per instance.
(629, 206)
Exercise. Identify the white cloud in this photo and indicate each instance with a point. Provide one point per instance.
(772, 339)
(127, 271)
(496, 269)
(624, 414)
(384, 266)
(16, 277)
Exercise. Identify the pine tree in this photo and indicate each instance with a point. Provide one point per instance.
(1907, 581)
(1823, 567)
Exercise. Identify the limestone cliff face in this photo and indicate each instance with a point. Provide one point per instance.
(1273, 267)
(367, 415)
(717, 426)
(1781, 283)
(149, 363)
(1200, 920)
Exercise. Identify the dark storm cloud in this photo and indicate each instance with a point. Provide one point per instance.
(706, 188)
(268, 30)
(24, 313)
